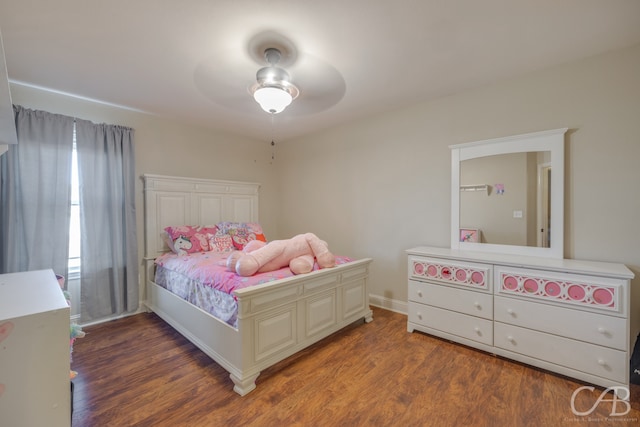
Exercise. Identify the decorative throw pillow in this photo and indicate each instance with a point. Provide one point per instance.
(220, 242)
(256, 229)
(187, 239)
(242, 232)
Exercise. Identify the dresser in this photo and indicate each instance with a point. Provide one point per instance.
(565, 316)
(34, 351)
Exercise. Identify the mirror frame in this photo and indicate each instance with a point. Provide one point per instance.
(550, 140)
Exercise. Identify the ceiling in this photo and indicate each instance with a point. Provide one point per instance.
(194, 60)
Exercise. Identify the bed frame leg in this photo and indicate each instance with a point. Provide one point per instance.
(244, 386)
(368, 317)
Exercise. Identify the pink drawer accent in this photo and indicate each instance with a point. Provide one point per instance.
(573, 292)
(467, 276)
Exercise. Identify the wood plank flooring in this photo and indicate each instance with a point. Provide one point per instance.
(138, 371)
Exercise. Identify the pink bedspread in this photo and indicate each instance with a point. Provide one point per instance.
(209, 268)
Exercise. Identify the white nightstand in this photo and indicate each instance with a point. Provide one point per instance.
(34, 351)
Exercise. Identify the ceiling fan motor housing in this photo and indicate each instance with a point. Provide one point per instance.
(272, 75)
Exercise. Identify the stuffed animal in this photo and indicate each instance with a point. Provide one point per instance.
(298, 253)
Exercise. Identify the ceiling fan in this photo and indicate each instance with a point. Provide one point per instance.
(274, 90)
(271, 66)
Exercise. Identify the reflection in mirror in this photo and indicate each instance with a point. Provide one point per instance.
(514, 208)
(507, 195)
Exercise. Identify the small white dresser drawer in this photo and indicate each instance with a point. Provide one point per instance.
(592, 359)
(598, 294)
(470, 327)
(595, 328)
(458, 273)
(460, 300)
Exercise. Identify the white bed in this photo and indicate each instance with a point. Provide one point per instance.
(276, 319)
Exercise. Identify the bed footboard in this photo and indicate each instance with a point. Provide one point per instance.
(279, 319)
(275, 320)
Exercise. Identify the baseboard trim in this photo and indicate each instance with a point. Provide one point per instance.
(388, 304)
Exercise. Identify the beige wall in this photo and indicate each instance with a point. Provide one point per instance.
(166, 147)
(381, 185)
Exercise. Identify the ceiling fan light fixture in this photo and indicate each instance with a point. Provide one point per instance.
(272, 99)
(273, 91)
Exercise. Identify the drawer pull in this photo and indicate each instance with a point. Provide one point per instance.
(420, 294)
(602, 330)
(477, 330)
(419, 315)
(477, 305)
(511, 339)
(602, 362)
(510, 311)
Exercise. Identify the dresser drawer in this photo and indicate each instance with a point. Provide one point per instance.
(598, 294)
(460, 300)
(595, 328)
(592, 359)
(470, 327)
(459, 273)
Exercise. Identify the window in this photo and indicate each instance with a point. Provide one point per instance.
(108, 283)
(74, 230)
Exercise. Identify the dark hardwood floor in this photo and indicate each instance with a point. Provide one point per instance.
(138, 371)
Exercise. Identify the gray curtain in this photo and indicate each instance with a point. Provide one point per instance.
(109, 253)
(35, 182)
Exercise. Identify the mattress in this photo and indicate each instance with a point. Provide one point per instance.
(215, 302)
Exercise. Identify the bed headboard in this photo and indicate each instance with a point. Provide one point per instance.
(171, 201)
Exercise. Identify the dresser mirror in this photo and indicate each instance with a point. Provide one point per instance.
(507, 195)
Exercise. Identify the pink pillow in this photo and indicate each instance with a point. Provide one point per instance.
(221, 242)
(242, 232)
(187, 239)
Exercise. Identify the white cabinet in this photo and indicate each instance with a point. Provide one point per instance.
(566, 316)
(34, 351)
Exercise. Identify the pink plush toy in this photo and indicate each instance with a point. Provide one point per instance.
(298, 253)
